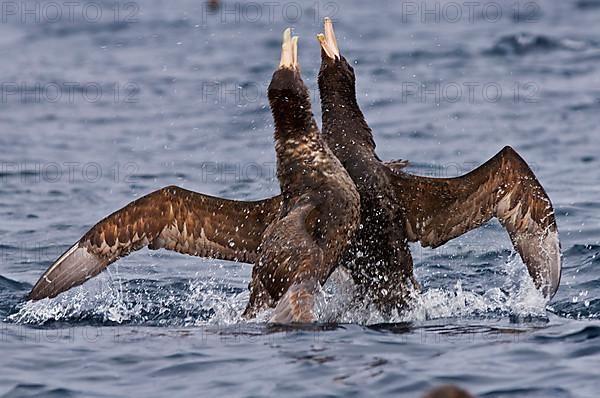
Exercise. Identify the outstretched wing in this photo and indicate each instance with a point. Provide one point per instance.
(440, 209)
(171, 218)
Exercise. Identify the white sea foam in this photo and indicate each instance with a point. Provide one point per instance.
(206, 302)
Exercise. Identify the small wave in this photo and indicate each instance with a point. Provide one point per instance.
(28, 390)
(532, 392)
(583, 334)
(107, 27)
(527, 43)
(585, 106)
(587, 4)
(82, 27)
(7, 284)
(578, 249)
(424, 55)
(579, 307)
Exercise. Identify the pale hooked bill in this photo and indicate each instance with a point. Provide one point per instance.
(328, 40)
(289, 50)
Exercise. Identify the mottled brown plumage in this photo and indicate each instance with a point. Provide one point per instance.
(295, 240)
(438, 210)
(320, 205)
(171, 218)
(398, 208)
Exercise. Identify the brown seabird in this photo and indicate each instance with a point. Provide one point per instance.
(398, 208)
(295, 240)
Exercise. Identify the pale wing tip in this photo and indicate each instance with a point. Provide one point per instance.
(73, 268)
(296, 306)
(544, 262)
(551, 248)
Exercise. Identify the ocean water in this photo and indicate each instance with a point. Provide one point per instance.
(104, 102)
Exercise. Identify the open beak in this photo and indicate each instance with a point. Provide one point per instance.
(289, 51)
(328, 40)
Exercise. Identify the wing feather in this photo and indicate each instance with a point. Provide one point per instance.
(440, 209)
(171, 218)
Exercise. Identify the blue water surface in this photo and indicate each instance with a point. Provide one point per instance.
(114, 100)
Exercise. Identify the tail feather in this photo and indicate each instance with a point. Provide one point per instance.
(297, 305)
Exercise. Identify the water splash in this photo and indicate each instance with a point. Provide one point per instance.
(517, 296)
(138, 302)
(212, 302)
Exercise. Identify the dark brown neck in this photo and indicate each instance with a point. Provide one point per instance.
(290, 104)
(298, 143)
(344, 126)
(293, 118)
(344, 122)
